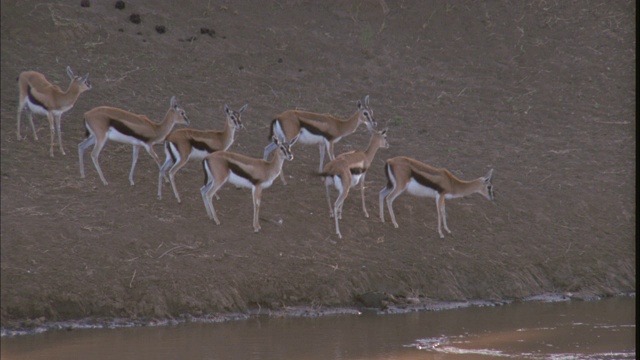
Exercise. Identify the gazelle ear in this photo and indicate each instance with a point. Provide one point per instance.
(70, 73)
(489, 176)
(359, 105)
(174, 102)
(227, 110)
(275, 140)
(366, 101)
(243, 108)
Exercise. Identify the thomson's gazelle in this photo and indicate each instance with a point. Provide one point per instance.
(313, 128)
(243, 171)
(404, 173)
(183, 145)
(108, 123)
(41, 97)
(349, 169)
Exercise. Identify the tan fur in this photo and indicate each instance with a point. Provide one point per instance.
(219, 166)
(97, 123)
(442, 184)
(293, 121)
(55, 100)
(340, 170)
(181, 140)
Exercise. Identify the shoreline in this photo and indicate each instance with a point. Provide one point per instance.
(37, 326)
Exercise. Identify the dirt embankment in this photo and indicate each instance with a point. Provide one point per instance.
(542, 92)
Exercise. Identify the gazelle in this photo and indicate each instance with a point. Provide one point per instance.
(349, 169)
(183, 145)
(108, 123)
(404, 173)
(313, 128)
(243, 171)
(41, 97)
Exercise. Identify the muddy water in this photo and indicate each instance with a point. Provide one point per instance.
(603, 329)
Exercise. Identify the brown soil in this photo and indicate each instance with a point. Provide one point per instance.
(541, 91)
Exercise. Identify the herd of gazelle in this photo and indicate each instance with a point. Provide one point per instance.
(345, 171)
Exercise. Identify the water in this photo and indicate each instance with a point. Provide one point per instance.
(603, 329)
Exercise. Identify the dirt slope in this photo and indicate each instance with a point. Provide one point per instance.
(541, 91)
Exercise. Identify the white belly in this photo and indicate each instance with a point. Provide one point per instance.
(239, 181)
(117, 136)
(306, 137)
(197, 154)
(36, 109)
(414, 188)
(355, 179)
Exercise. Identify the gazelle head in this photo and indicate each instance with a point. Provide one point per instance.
(366, 114)
(82, 82)
(180, 115)
(283, 147)
(487, 188)
(380, 137)
(235, 116)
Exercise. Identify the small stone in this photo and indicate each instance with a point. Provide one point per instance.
(119, 4)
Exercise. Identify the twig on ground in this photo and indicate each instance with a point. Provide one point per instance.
(132, 277)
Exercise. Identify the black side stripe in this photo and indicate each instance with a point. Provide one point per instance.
(202, 146)
(426, 182)
(240, 172)
(315, 131)
(124, 129)
(358, 170)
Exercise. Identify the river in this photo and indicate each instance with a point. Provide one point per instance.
(602, 329)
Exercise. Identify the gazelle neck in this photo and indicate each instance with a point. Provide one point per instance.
(70, 96)
(349, 125)
(166, 125)
(228, 133)
(463, 188)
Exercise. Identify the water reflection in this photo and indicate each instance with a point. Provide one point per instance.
(566, 330)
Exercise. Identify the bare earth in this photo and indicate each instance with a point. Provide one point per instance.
(541, 91)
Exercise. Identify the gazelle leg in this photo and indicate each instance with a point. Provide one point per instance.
(57, 120)
(172, 175)
(95, 154)
(364, 207)
(340, 182)
(82, 147)
(52, 130)
(395, 192)
(207, 192)
(33, 127)
(383, 194)
(136, 149)
(166, 166)
(444, 216)
(322, 150)
(257, 196)
(439, 203)
(327, 186)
